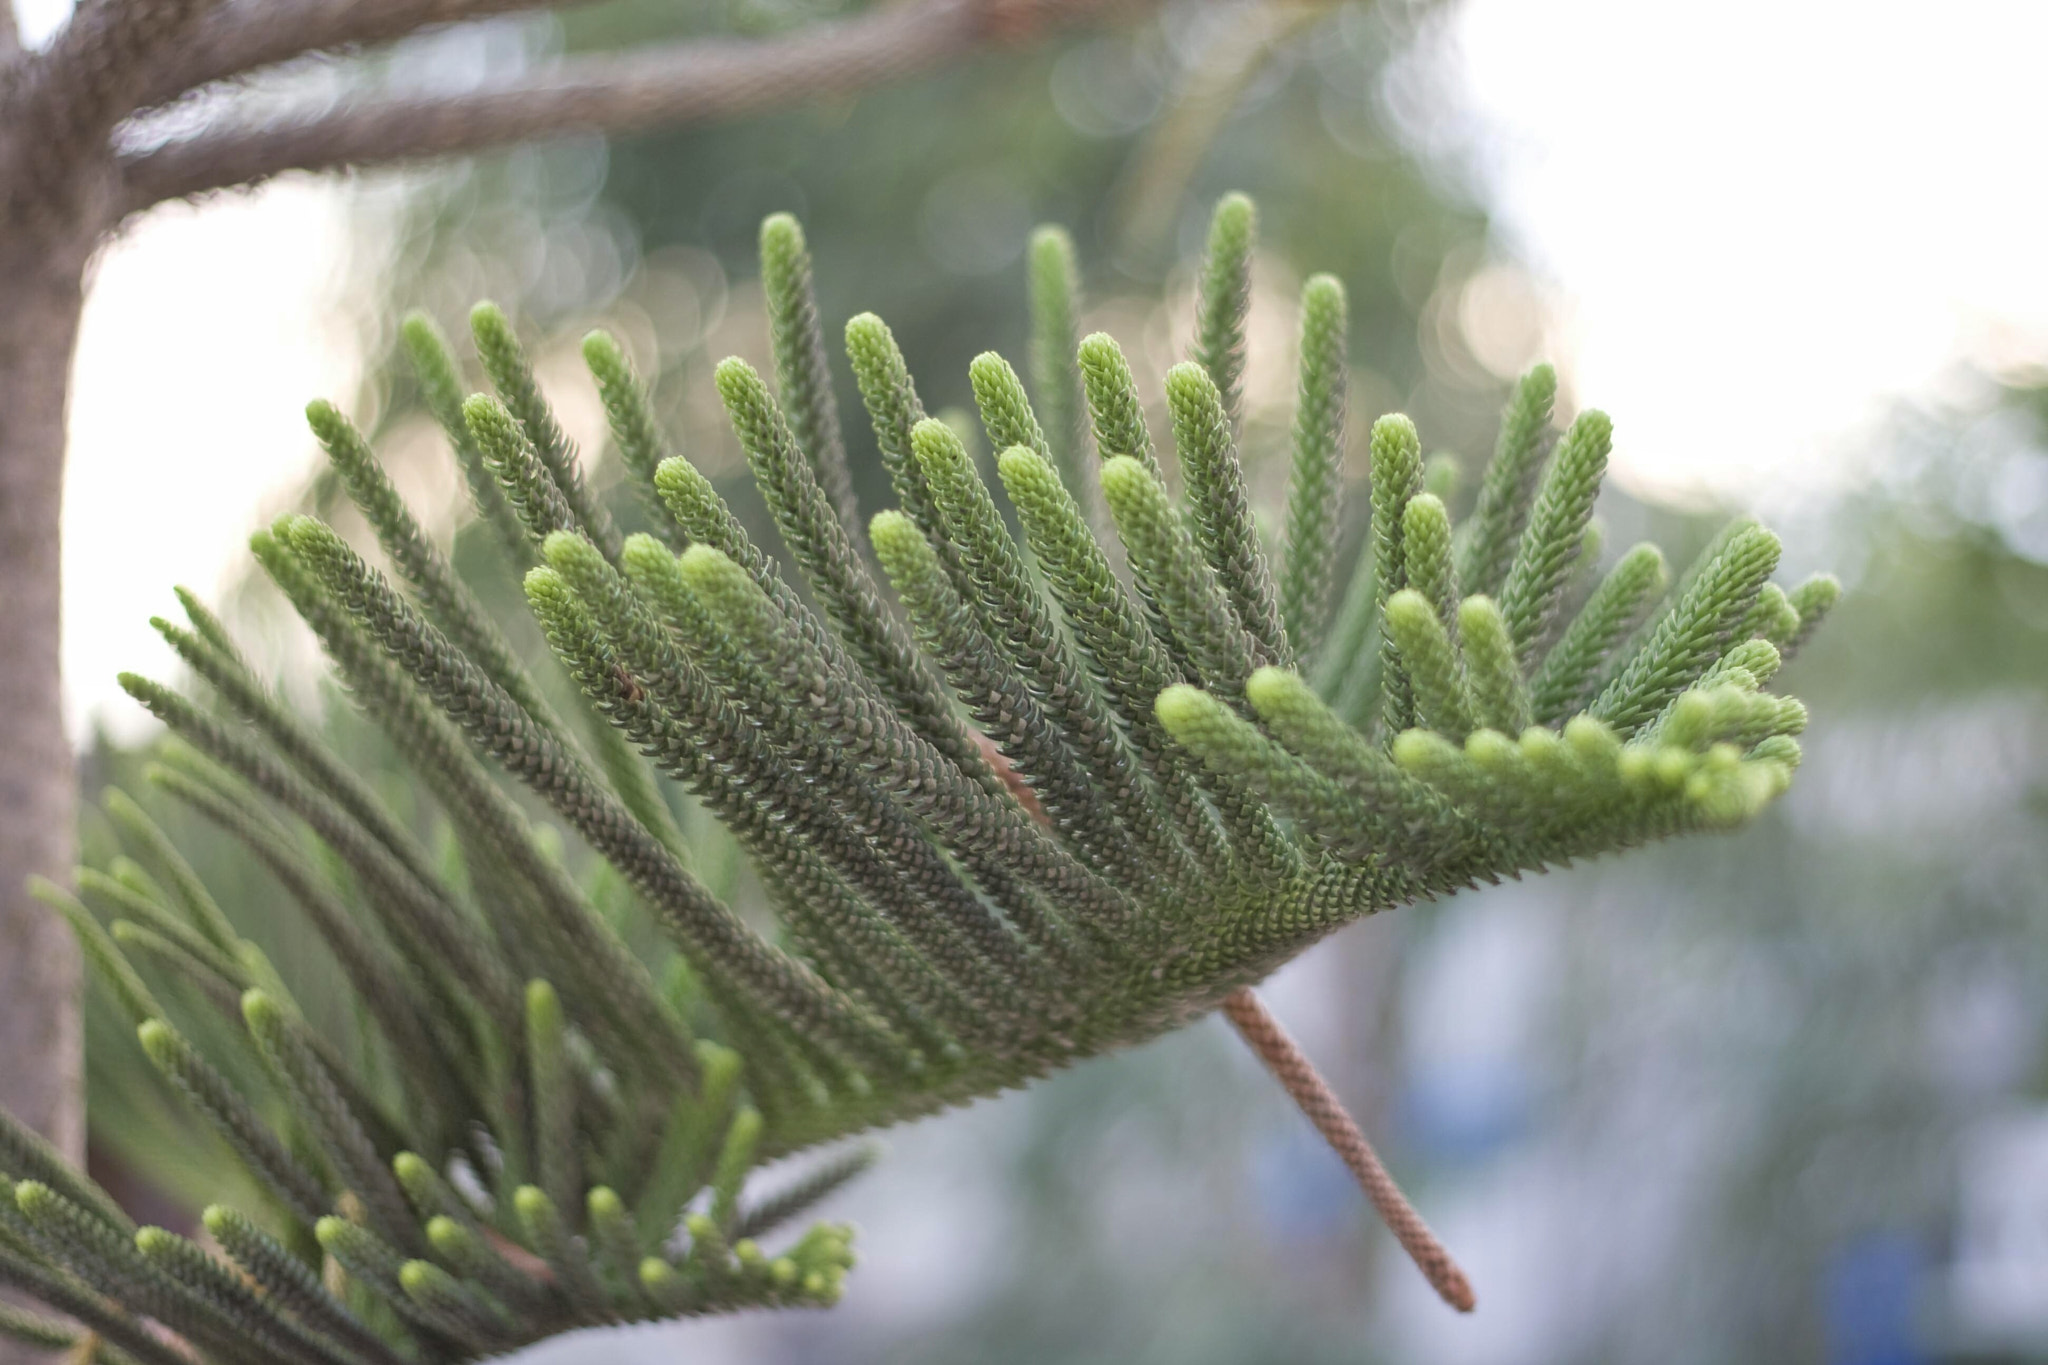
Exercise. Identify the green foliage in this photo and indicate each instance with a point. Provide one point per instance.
(1055, 367)
(802, 374)
(1314, 496)
(1220, 510)
(1224, 299)
(1028, 813)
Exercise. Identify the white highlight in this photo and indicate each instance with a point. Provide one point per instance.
(1766, 218)
(206, 330)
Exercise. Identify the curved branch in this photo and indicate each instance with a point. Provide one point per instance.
(678, 84)
(242, 35)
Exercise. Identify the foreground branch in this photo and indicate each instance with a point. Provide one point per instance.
(685, 83)
(1299, 1077)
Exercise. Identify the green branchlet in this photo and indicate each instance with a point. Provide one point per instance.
(1315, 490)
(1224, 301)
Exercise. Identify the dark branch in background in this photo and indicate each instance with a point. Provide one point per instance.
(238, 36)
(64, 101)
(684, 83)
(10, 32)
(1171, 149)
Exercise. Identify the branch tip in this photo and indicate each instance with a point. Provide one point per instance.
(1306, 1086)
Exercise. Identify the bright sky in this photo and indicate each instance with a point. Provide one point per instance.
(1754, 221)
(205, 333)
(1764, 216)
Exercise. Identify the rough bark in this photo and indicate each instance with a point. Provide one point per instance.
(47, 237)
(41, 292)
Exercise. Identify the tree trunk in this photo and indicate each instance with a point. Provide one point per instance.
(42, 271)
(46, 241)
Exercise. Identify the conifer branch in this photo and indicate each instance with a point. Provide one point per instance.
(1316, 486)
(1224, 301)
(803, 381)
(1056, 385)
(1202, 436)
(1150, 810)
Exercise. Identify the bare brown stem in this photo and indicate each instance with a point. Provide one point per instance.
(668, 86)
(241, 35)
(1299, 1077)
(41, 281)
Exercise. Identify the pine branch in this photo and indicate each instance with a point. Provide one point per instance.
(1115, 409)
(287, 1280)
(1224, 531)
(1503, 508)
(812, 1188)
(443, 390)
(1027, 645)
(1224, 301)
(1147, 815)
(1317, 482)
(298, 1189)
(511, 374)
(1056, 384)
(1396, 478)
(803, 381)
(1628, 592)
(496, 723)
(1557, 522)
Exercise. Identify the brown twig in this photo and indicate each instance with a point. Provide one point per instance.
(1299, 1077)
(665, 86)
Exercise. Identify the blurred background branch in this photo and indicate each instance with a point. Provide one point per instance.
(238, 36)
(673, 85)
(1241, 47)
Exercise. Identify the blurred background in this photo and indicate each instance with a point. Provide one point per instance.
(1781, 1096)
